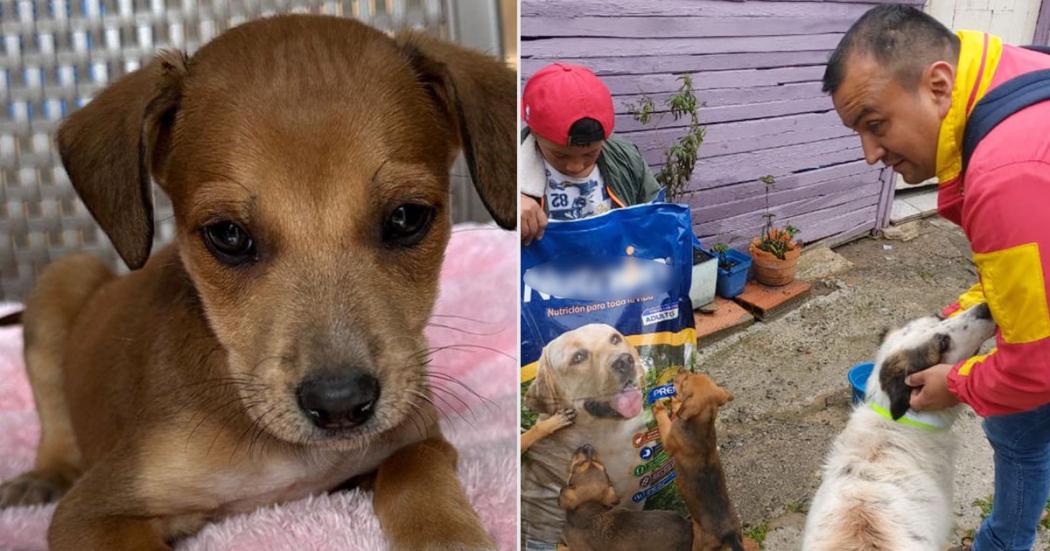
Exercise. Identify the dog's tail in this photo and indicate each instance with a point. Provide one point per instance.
(13, 318)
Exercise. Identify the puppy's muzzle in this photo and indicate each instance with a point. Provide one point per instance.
(623, 366)
(341, 401)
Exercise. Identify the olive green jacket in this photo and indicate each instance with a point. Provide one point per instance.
(627, 177)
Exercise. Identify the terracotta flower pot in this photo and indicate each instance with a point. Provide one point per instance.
(770, 270)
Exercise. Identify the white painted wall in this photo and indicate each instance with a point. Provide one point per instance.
(1014, 20)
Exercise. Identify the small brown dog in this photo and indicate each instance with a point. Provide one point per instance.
(276, 349)
(691, 441)
(594, 523)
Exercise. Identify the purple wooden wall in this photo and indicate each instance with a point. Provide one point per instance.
(757, 67)
(1042, 25)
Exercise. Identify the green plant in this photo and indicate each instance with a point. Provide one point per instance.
(679, 158)
(758, 533)
(528, 417)
(643, 111)
(797, 506)
(776, 241)
(985, 505)
(721, 249)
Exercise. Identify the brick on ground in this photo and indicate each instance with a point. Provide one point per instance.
(728, 317)
(768, 302)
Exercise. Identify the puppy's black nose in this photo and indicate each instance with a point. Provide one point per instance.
(339, 401)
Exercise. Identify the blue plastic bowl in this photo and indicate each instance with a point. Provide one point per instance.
(858, 379)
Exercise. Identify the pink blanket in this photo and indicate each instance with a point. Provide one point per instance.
(476, 308)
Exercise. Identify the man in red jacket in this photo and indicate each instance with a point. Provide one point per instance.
(907, 85)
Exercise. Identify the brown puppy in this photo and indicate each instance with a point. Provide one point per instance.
(691, 441)
(276, 349)
(594, 523)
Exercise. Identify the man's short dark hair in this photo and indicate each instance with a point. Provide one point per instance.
(902, 38)
(585, 132)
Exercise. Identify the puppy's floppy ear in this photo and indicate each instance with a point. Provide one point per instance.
(479, 95)
(942, 343)
(567, 498)
(723, 396)
(111, 146)
(905, 362)
(542, 396)
(891, 378)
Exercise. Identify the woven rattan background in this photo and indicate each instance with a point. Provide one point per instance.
(56, 54)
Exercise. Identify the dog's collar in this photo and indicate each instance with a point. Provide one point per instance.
(918, 419)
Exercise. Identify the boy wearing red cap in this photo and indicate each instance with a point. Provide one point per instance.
(571, 165)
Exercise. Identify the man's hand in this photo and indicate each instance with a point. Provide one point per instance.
(929, 390)
(533, 220)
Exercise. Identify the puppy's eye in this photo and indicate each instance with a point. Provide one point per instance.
(579, 356)
(229, 243)
(407, 224)
(615, 339)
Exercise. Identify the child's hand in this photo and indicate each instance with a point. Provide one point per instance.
(561, 419)
(533, 220)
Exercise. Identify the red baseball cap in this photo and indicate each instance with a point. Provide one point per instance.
(558, 95)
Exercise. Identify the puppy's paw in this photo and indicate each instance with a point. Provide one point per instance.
(30, 489)
(659, 408)
(455, 532)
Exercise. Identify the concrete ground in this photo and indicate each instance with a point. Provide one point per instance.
(789, 379)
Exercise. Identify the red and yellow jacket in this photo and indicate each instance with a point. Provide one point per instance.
(1002, 202)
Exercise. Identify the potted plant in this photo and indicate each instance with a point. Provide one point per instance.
(775, 252)
(680, 157)
(733, 267)
(679, 163)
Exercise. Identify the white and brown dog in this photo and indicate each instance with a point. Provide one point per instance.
(887, 483)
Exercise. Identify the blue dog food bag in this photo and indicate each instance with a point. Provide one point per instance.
(606, 323)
